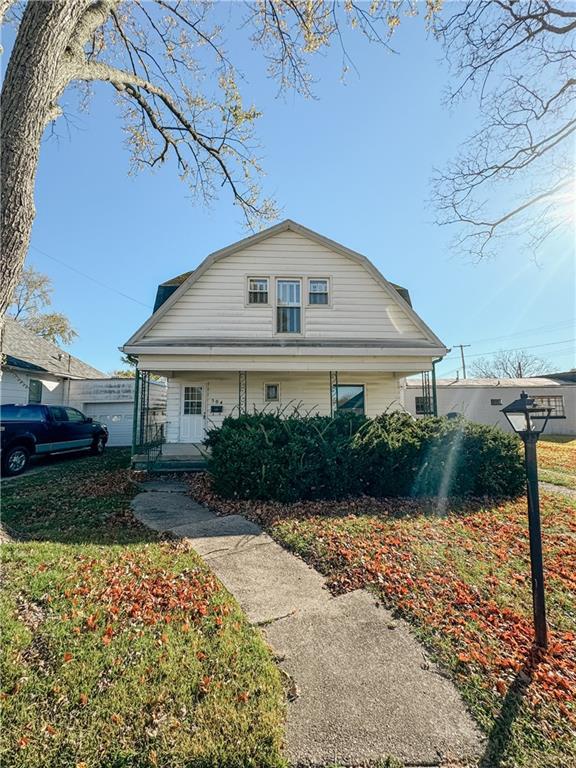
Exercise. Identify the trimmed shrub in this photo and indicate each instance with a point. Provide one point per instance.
(266, 457)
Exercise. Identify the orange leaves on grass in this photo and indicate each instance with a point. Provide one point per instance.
(67, 657)
(465, 577)
(133, 592)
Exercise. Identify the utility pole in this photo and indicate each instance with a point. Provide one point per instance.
(461, 348)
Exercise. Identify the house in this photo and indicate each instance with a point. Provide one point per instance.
(36, 371)
(481, 400)
(285, 318)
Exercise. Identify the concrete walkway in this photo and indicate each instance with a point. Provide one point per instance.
(362, 687)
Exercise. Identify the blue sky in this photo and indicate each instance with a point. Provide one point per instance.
(355, 165)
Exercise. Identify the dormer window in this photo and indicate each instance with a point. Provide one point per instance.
(318, 291)
(258, 290)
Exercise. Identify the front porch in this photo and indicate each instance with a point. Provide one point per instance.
(172, 457)
(199, 400)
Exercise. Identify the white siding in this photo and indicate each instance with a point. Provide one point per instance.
(215, 306)
(118, 417)
(308, 391)
(113, 390)
(473, 402)
(14, 387)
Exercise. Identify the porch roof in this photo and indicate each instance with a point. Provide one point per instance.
(237, 346)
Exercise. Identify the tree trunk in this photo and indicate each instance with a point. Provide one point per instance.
(31, 87)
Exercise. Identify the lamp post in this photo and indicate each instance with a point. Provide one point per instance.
(528, 419)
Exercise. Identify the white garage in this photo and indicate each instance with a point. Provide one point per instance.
(117, 417)
(111, 401)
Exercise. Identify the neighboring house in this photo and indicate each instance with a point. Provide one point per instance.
(481, 400)
(36, 371)
(285, 318)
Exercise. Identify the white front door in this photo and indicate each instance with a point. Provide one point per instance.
(192, 414)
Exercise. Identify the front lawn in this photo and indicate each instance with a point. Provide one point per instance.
(463, 581)
(119, 649)
(557, 460)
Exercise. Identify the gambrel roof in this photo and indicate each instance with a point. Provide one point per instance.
(172, 290)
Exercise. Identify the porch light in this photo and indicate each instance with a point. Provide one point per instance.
(528, 419)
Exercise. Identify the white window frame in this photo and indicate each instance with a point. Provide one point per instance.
(326, 280)
(288, 279)
(271, 384)
(248, 291)
(190, 400)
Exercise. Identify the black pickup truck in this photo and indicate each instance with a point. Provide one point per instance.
(27, 430)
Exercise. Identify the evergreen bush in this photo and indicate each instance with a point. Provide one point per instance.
(270, 457)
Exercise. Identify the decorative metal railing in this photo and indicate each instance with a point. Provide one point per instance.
(153, 445)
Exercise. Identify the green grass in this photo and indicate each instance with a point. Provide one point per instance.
(120, 650)
(557, 460)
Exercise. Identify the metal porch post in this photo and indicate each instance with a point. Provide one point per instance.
(136, 411)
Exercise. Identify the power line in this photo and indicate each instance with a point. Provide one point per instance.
(89, 277)
(522, 349)
(512, 349)
(527, 332)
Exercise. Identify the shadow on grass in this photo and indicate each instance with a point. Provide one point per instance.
(501, 734)
(77, 499)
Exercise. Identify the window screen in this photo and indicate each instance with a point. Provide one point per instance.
(258, 290)
(318, 292)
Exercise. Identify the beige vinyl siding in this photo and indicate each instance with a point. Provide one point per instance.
(402, 365)
(216, 305)
(309, 392)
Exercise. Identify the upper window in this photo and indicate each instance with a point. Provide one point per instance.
(317, 291)
(554, 402)
(350, 397)
(258, 290)
(288, 306)
(496, 401)
(34, 391)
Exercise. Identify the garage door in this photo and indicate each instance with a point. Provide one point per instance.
(117, 417)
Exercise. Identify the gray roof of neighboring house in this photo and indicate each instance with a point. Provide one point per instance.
(535, 381)
(566, 376)
(27, 351)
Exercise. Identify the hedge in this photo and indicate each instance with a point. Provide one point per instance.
(268, 457)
